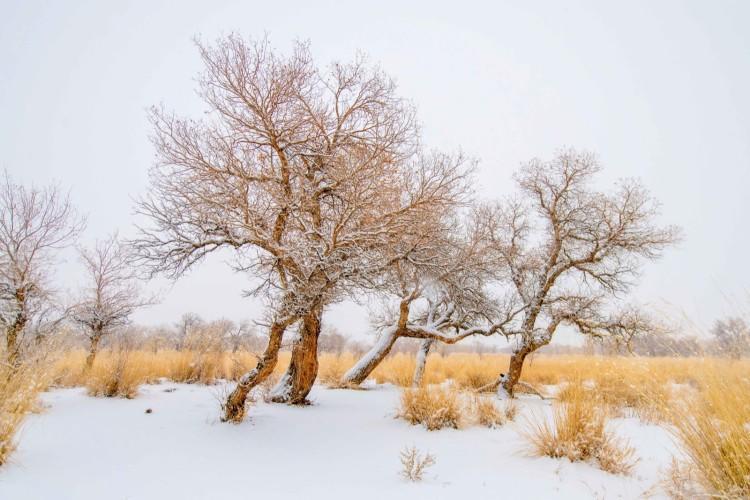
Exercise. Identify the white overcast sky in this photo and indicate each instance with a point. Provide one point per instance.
(658, 89)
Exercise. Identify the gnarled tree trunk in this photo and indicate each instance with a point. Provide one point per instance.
(424, 350)
(515, 368)
(96, 337)
(299, 378)
(234, 406)
(12, 342)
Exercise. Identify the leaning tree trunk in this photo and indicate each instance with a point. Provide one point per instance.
(515, 368)
(96, 337)
(234, 406)
(424, 350)
(364, 367)
(299, 378)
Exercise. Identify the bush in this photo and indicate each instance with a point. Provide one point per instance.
(578, 433)
(510, 411)
(434, 407)
(414, 464)
(487, 413)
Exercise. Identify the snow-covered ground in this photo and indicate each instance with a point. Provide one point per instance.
(346, 445)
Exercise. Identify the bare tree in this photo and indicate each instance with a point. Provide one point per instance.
(239, 335)
(186, 327)
(331, 340)
(112, 294)
(35, 223)
(440, 289)
(565, 249)
(306, 174)
(732, 337)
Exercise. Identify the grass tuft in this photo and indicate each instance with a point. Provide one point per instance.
(578, 432)
(433, 407)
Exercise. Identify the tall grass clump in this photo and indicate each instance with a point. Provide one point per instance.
(433, 407)
(486, 412)
(578, 432)
(19, 389)
(713, 429)
(117, 375)
(333, 366)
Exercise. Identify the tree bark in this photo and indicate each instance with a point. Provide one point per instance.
(96, 337)
(515, 368)
(364, 367)
(12, 342)
(424, 350)
(234, 406)
(299, 378)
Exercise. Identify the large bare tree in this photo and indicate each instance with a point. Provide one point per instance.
(569, 252)
(306, 174)
(112, 294)
(35, 223)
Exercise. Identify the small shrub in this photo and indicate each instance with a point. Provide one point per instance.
(486, 412)
(414, 464)
(510, 411)
(578, 433)
(434, 407)
(115, 376)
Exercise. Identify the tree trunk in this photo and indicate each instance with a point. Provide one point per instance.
(515, 368)
(12, 342)
(424, 350)
(234, 407)
(96, 337)
(299, 378)
(364, 367)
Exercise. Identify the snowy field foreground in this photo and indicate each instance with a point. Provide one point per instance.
(346, 445)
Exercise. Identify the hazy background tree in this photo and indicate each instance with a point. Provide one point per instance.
(570, 252)
(331, 340)
(35, 223)
(732, 337)
(112, 293)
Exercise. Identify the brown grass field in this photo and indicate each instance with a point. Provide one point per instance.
(703, 402)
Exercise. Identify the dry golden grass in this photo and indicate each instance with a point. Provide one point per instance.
(115, 376)
(578, 432)
(433, 407)
(18, 396)
(139, 367)
(644, 386)
(628, 381)
(487, 413)
(713, 428)
(333, 366)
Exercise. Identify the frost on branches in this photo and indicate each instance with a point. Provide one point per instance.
(309, 175)
(112, 294)
(34, 224)
(567, 252)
